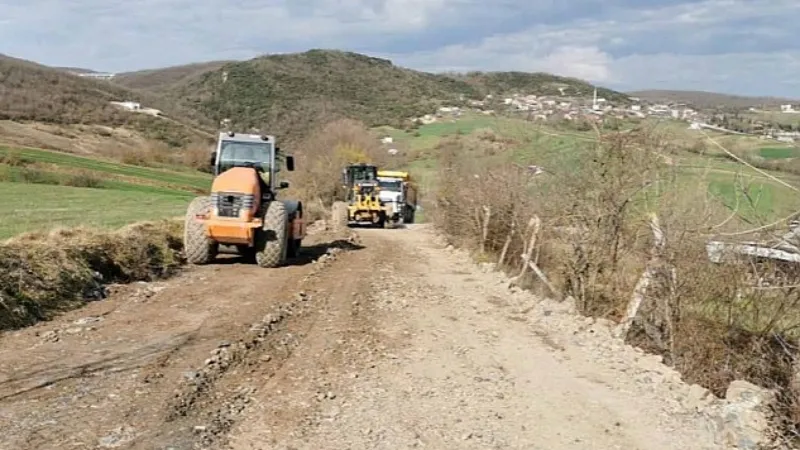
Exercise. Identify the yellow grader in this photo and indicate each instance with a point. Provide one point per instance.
(362, 203)
(243, 210)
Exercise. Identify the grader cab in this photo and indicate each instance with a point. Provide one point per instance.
(243, 210)
(362, 203)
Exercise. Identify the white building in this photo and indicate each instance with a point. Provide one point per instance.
(136, 107)
(131, 106)
(99, 76)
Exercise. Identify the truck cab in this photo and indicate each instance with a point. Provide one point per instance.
(398, 195)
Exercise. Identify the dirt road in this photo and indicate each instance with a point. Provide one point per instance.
(390, 342)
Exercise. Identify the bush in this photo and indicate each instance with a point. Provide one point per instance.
(84, 179)
(194, 155)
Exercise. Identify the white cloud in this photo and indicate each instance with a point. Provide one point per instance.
(748, 73)
(585, 49)
(741, 45)
(588, 63)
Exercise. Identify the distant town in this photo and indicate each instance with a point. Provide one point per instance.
(554, 108)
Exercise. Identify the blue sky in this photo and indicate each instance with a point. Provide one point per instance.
(748, 47)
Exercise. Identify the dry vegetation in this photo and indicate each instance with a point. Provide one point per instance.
(41, 275)
(195, 156)
(624, 236)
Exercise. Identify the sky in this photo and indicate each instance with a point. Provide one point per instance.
(747, 47)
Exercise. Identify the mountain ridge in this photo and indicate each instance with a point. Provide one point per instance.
(287, 93)
(294, 91)
(707, 99)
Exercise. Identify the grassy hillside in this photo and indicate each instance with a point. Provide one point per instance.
(292, 93)
(701, 99)
(288, 94)
(43, 208)
(32, 92)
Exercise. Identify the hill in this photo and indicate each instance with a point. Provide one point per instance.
(709, 100)
(165, 78)
(76, 70)
(290, 93)
(538, 83)
(32, 92)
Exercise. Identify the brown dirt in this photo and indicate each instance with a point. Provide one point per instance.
(394, 343)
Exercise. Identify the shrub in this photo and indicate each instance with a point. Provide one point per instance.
(84, 179)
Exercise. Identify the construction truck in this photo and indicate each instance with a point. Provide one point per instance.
(242, 210)
(398, 195)
(362, 203)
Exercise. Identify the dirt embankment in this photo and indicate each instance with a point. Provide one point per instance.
(384, 341)
(42, 275)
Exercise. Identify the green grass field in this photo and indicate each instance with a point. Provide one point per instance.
(779, 152)
(427, 136)
(36, 207)
(42, 190)
(757, 199)
(179, 179)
